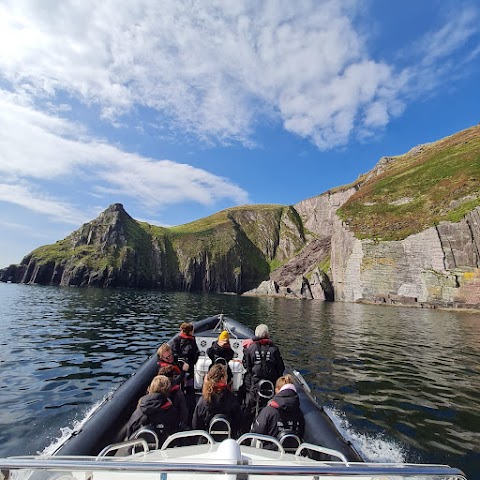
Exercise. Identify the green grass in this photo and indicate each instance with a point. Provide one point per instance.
(208, 223)
(432, 181)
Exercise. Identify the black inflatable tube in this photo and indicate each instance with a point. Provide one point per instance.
(320, 430)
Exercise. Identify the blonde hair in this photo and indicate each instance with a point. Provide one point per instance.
(186, 328)
(281, 381)
(215, 375)
(160, 384)
(162, 349)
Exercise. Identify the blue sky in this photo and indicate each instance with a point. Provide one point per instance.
(180, 109)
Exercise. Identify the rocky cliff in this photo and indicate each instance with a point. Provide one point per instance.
(228, 252)
(436, 267)
(408, 232)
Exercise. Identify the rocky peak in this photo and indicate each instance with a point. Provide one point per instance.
(109, 228)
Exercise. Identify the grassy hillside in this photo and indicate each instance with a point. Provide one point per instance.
(436, 182)
(215, 234)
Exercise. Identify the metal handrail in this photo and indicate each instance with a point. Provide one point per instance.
(315, 468)
(262, 438)
(326, 451)
(221, 325)
(128, 443)
(216, 422)
(148, 431)
(187, 434)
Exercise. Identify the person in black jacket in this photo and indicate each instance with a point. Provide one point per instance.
(282, 411)
(262, 361)
(155, 410)
(221, 352)
(217, 398)
(166, 358)
(177, 396)
(185, 349)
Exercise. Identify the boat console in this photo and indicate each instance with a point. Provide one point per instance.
(204, 341)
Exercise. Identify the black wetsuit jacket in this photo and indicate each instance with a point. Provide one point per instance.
(223, 401)
(253, 363)
(216, 351)
(185, 347)
(178, 398)
(156, 412)
(282, 413)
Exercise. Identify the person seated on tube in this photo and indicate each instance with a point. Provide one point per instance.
(177, 396)
(155, 411)
(221, 352)
(217, 398)
(282, 411)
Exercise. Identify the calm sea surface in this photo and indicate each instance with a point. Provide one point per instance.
(403, 384)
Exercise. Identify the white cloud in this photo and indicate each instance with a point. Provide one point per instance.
(461, 26)
(443, 55)
(217, 69)
(40, 147)
(26, 196)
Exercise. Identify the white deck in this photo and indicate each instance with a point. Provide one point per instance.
(227, 460)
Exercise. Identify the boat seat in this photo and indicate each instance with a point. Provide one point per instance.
(265, 391)
(200, 370)
(220, 428)
(238, 372)
(289, 440)
(122, 447)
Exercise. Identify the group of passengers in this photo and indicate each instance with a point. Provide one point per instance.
(170, 404)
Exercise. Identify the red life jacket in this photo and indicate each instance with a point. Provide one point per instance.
(166, 405)
(188, 337)
(175, 388)
(221, 386)
(176, 368)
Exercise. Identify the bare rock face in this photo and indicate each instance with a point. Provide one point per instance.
(436, 267)
(318, 214)
(300, 276)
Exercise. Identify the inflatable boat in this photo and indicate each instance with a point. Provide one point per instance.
(98, 449)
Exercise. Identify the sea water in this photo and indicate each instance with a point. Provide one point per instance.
(401, 383)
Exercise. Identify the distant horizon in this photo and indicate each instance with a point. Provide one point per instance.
(181, 110)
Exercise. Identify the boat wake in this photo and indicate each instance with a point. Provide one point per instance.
(378, 449)
(66, 432)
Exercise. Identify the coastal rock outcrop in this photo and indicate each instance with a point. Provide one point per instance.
(438, 267)
(228, 253)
